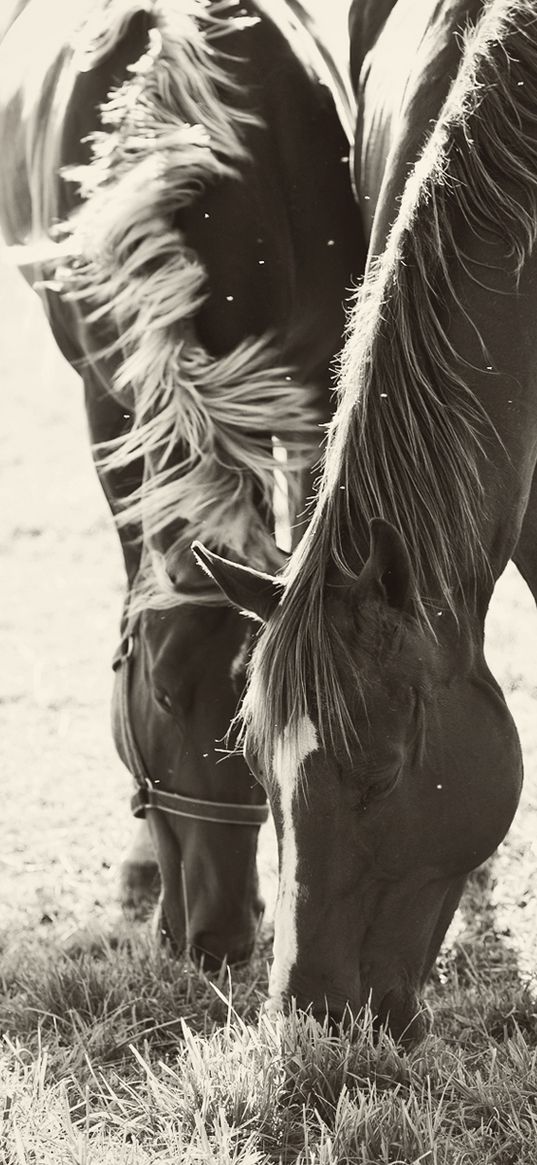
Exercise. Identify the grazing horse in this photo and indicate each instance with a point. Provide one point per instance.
(389, 756)
(175, 178)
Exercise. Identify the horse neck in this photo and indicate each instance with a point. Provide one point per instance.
(461, 254)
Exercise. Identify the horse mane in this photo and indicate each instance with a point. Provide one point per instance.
(202, 424)
(408, 437)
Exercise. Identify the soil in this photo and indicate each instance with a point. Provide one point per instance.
(64, 794)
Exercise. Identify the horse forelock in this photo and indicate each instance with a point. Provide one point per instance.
(407, 441)
(202, 424)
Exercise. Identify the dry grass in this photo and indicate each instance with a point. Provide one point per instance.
(95, 1070)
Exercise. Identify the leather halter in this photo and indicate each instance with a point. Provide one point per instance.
(149, 797)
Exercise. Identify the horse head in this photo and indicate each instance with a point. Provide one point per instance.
(383, 798)
(176, 693)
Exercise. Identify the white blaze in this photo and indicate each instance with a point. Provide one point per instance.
(288, 757)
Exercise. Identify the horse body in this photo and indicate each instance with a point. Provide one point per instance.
(185, 381)
(388, 753)
(396, 109)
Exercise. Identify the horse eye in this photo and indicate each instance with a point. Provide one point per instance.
(164, 700)
(380, 789)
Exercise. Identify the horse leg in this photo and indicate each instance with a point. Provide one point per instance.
(139, 876)
(302, 500)
(525, 555)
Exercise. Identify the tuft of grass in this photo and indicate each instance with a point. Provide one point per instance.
(121, 1056)
(91, 1006)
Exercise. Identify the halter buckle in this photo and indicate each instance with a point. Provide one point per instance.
(139, 801)
(124, 652)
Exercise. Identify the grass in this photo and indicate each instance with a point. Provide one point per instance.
(120, 1056)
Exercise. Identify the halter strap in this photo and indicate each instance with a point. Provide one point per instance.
(149, 797)
(221, 812)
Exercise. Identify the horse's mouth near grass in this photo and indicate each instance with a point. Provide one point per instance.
(210, 951)
(405, 1016)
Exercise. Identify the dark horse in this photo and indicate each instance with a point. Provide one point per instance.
(390, 759)
(209, 235)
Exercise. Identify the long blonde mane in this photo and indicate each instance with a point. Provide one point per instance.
(203, 425)
(407, 440)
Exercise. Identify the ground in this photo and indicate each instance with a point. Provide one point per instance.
(65, 818)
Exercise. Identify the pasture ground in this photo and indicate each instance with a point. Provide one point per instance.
(111, 1052)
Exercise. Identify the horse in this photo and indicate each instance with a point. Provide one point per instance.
(176, 184)
(391, 762)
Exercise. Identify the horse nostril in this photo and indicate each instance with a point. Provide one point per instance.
(407, 1019)
(205, 959)
(327, 1014)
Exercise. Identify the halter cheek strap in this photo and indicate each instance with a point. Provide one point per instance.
(149, 797)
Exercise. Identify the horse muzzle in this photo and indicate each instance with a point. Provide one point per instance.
(207, 950)
(406, 1017)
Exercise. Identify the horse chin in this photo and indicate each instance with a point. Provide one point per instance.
(210, 952)
(207, 949)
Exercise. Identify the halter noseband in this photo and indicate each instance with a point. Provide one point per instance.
(149, 797)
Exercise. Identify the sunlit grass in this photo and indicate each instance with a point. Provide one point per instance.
(125, 1056)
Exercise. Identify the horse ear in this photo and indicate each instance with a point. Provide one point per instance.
(388, 570)
(250, 590)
